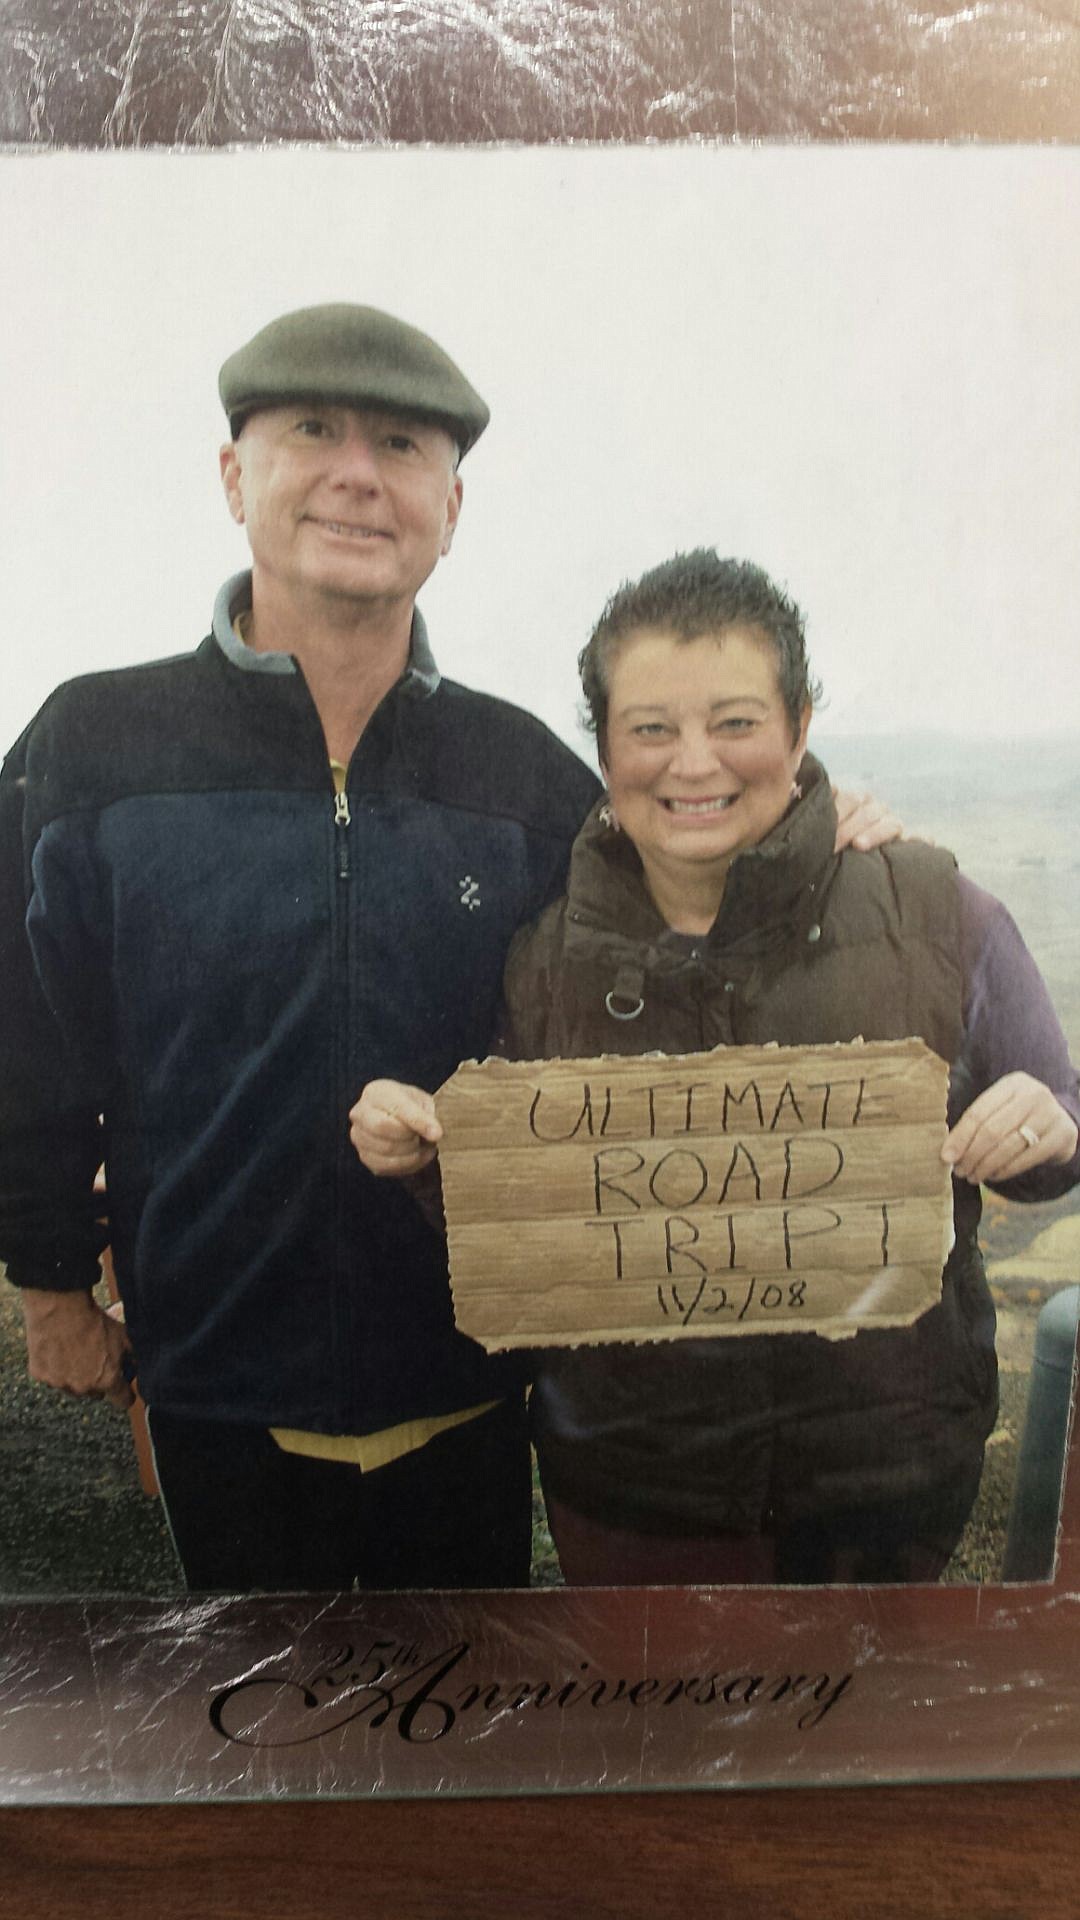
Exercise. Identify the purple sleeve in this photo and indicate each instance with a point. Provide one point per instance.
(1009, 1027)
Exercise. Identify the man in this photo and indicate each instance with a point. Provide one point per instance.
(255, 878)
(260, 875)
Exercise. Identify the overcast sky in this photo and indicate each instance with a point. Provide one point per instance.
(858, 367)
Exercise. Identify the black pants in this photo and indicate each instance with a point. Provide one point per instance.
(247, 1516)
(899, 1542)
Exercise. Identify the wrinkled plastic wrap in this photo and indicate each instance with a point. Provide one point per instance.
(558, 1692)
(418, 1694)
(207, 73)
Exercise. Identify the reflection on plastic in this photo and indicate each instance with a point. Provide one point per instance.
(130, 73)
(563, 1691)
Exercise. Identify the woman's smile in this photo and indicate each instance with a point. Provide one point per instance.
(700, 809)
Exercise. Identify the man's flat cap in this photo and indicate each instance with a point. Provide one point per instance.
(355, 357)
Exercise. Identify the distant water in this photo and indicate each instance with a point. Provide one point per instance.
(1008, 809)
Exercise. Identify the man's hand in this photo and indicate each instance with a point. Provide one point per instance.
(864, 823)
(1015, 1125)
(393, 1128)
(74, 1345)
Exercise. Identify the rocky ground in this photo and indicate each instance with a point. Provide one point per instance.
(73, 1518)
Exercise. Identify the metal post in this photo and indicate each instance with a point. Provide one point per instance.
(1033, 1518)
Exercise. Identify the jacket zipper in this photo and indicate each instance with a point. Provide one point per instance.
(343, 1310)
(342, 820)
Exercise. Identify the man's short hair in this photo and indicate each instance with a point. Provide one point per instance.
(342, 355)
(690, 596)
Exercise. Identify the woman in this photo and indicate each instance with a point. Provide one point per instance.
(706, 907)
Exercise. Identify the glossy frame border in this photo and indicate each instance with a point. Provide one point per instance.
(226, 1700)
(559, 1690)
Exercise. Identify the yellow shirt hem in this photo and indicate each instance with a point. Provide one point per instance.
(370, 1450)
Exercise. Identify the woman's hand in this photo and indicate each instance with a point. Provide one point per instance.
(864, 823)
(1017, 1124)
(393, 1128)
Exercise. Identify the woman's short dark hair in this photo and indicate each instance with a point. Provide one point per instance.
(689, 596)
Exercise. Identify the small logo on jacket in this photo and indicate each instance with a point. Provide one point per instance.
(470, 892)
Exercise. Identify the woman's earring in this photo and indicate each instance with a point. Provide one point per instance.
(796, 790)
(607, 817)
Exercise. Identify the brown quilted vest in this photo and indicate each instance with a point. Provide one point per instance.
(695, 1437)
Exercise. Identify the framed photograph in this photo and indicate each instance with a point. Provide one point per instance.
(768, 313)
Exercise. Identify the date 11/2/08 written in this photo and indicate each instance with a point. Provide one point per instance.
(712, 1296)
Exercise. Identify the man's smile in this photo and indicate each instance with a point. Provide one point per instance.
(347, 529)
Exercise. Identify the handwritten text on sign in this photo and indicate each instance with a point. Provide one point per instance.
(763, 1189)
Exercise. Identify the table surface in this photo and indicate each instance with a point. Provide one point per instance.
(978, 1852)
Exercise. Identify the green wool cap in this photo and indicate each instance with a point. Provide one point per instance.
(350, 356)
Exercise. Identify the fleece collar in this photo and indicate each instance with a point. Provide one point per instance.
(421, 675)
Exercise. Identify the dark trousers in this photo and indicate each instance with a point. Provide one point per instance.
(247, 1516)
(864, 1547)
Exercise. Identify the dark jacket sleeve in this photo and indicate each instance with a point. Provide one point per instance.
(51, 1234)
(1010, 1026)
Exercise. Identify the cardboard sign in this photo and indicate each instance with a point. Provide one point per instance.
(751, 1189)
